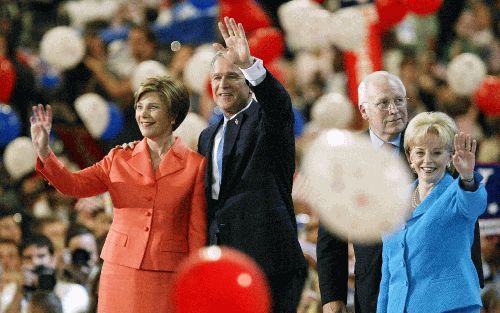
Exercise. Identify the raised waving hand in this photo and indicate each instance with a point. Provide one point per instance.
(237, 49)
(464, 156)
(41, 123)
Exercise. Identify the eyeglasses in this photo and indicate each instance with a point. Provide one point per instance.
(385, 104)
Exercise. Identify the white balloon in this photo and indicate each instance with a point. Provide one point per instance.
(190, 129)
(305, 23)
(19, 157)
(146, 69)
(359, 192)
(465, 73)
(197, 70)
(332, 110)
(348, 28)
(94, 113)
(62, 47)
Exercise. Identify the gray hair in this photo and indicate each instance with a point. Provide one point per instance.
(376, 75)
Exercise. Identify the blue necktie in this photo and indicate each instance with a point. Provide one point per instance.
(220, 148)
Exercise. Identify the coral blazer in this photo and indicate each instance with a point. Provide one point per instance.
(159, 216)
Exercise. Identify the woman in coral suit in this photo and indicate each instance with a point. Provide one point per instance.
(159, 214)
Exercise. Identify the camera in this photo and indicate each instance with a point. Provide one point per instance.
(45, 279)
(80, 257)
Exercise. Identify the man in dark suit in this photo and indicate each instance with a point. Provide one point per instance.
(382, 102)
(250, 164)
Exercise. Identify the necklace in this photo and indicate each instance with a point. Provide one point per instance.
(415, 199)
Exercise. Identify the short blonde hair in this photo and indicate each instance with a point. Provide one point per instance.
(426, 123)
(172, 93)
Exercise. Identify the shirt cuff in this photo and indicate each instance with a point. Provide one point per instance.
(256, 73)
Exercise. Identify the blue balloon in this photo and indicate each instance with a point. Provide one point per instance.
(203, 4)
(10, 125)
(50, 81)
(115, 124)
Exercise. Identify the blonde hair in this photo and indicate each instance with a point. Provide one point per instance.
(172, 93)
(425, 123)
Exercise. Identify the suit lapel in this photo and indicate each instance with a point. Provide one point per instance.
(232, 132)
(141, 161)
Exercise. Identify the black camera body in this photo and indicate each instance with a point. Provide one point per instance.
(46, 278)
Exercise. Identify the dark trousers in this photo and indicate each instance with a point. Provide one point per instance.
(286, 290)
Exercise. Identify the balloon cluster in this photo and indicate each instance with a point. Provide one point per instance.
(309, 26)
(103, 119)
(220, 280)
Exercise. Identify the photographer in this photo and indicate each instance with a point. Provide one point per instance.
(39, 273)
(81, 255)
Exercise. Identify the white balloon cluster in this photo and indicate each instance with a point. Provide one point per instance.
(359, 192)
(197, 70)
(62, 47)
(332, 110)
(19, 157)
(465, 73)
(190, 129)
(146, 69)
(308, 26)
(94, 113)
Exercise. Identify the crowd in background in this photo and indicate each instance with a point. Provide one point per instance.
(418, 50)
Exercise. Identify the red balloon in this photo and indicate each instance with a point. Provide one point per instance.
(266, 44)
(424, 7)
(487, 96)
(246, 12)
(390, 12)
(220, 280)
(7, 79)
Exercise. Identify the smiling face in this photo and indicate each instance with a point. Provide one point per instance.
(429, 158)
(386, 124)
(229, 89)
(152, 116)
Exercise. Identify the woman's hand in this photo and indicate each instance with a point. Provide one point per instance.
(237, 50)
(41, 124)
(464, 157)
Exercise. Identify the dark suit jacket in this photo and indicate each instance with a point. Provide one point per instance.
(254, 212)
(333, 271)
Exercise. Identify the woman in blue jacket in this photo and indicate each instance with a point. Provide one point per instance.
(427, 265)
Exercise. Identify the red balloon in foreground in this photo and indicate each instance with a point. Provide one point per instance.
(424, 7)
(487, 96)
(220, 280)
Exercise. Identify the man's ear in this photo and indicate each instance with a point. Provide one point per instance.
(362, 110)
